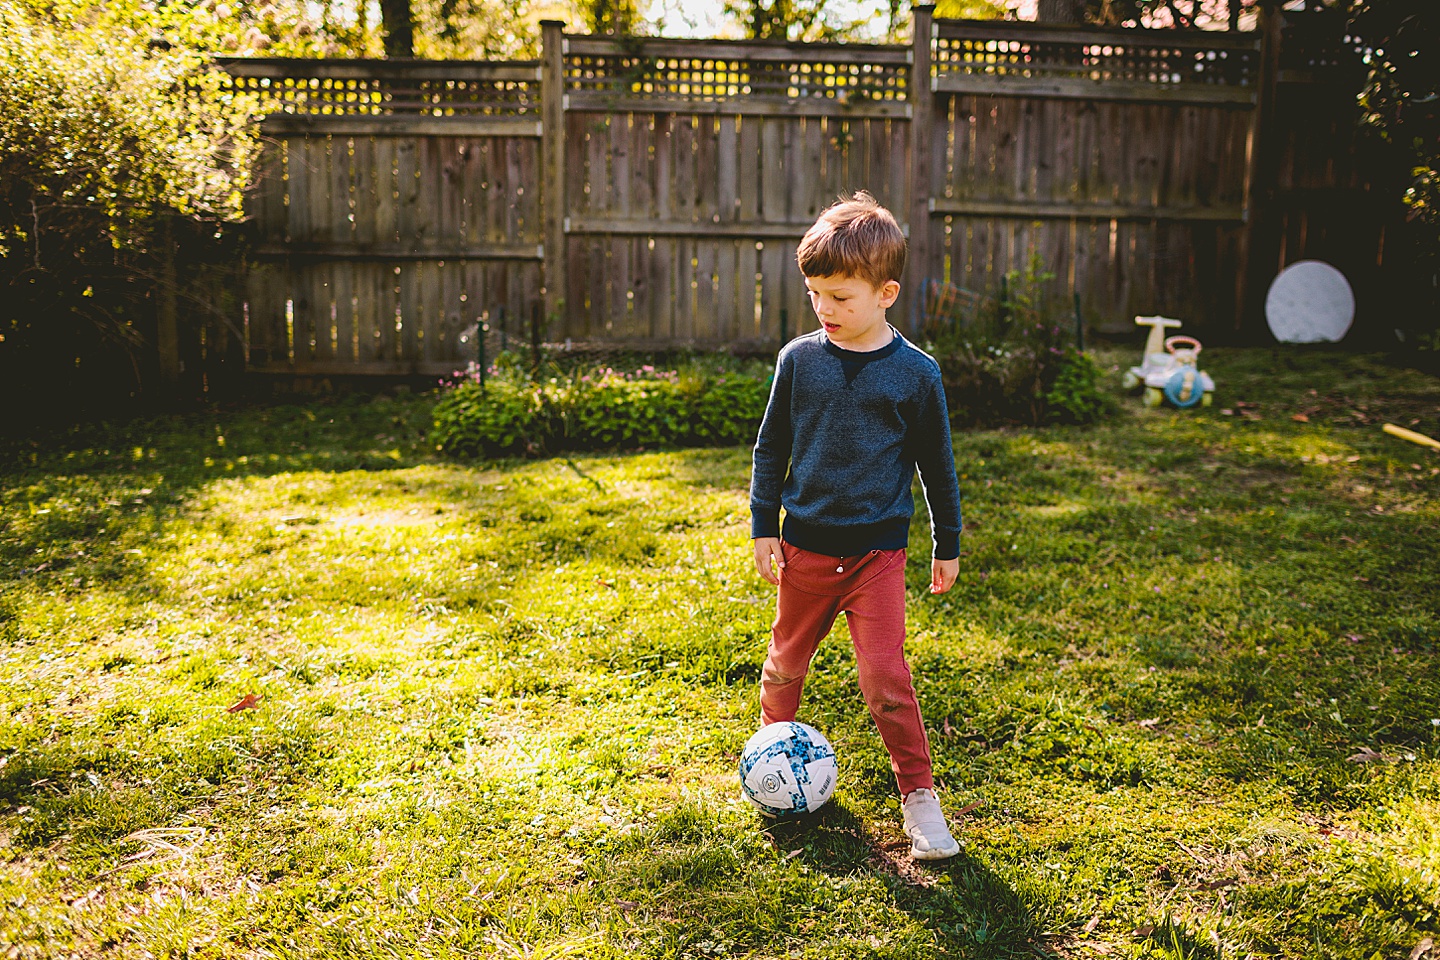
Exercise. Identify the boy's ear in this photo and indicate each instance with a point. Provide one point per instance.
(889, 293)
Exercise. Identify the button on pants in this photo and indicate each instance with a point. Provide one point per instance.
(870, 590)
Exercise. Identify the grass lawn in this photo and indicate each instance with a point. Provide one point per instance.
(1189, 671)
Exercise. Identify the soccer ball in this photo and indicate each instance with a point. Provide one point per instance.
(788, 768)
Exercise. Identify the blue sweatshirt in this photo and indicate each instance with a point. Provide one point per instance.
(842, 436)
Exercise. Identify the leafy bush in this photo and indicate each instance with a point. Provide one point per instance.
(510, 415)
(113, 150)
(1010, 361)
(513, 414)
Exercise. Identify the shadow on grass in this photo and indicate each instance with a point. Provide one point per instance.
(693, 870)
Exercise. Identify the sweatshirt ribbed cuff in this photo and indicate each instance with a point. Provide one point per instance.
(764, 523)
(947, 546)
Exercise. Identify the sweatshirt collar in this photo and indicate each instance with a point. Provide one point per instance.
(864, 356)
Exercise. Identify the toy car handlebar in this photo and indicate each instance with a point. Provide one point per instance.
(1189, 343)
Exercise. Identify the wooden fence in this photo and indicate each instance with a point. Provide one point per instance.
(649, 192)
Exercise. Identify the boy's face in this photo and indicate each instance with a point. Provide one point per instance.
(851, 310)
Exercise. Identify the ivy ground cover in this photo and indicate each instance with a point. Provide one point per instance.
(283, 683)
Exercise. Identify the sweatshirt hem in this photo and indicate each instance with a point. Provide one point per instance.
(848, 541)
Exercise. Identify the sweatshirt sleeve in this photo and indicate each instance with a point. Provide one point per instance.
(772, 457)
(935, 457)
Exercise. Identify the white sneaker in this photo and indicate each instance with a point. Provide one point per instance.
(925, 824)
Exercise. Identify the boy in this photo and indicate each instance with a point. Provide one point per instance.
(854, 409)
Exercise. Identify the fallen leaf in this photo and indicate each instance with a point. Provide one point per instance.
(969, 807)
(792, 854)
(1300, 418)
(1354, 459)
(1217, 884)
(1366, 755)
(1144, 931)
(627, 905)
(248, 702)
(1421, 948)
(1092, 923)
(945, 728)
(1147, 724)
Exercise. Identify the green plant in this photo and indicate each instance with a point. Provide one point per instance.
(701, 404)
(1076, 396)
(1010, 360)
(507, 415)
(617, 410)
(729, 410)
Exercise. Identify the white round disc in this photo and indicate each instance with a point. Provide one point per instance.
(1309, 302)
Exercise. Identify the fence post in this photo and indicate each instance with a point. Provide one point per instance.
(552, 146)
(167, 314)
(922, 104)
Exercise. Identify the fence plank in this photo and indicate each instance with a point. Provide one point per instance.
(342, 225)
(410, 323)
(407, 186)
(387, 231)
(366, 204)
(269, 194)
(342, 279)
(298, 181)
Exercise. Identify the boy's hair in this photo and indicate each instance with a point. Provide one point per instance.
(855, 237)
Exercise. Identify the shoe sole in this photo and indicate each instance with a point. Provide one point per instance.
(945, 854)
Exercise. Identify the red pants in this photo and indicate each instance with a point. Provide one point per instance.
(870, 589)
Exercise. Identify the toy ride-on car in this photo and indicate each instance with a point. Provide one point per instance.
(1170, 369)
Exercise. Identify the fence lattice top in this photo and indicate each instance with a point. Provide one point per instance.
(388, 88)
(719, 70)
(1034, 51)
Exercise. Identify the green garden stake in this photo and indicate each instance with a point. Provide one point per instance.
(481, 328)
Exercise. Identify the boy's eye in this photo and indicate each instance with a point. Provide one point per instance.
(841, 299)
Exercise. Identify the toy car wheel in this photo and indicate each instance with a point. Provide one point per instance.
(1153, 396)
(1130, 381)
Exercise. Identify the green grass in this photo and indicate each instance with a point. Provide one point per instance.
(1189, 670)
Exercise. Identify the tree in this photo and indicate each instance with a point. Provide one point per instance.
(610, 16)
(399, 28)
(794, 20)
(113, 144)
(1401, 99)
(1401, 103)
(1185, 14)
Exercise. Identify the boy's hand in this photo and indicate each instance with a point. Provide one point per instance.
(767, 550)
(943, 574)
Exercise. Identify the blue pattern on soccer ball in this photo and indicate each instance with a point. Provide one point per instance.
(801, 751)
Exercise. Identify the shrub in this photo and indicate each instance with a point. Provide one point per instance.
(509, 415)
(1010, 361)
(512, 414)
(113, 150)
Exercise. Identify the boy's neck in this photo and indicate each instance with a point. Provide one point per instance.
(884, 334)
